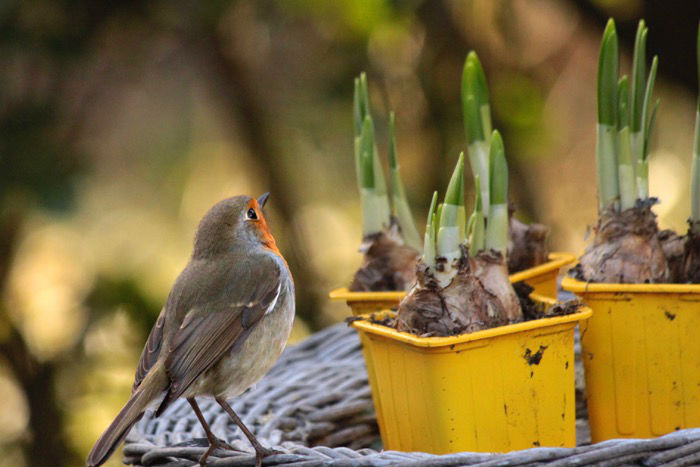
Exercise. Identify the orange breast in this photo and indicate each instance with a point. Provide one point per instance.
(265, 236)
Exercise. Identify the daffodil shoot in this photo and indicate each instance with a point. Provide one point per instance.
(527, 244)
(628, 246)
(462, 282)
(390, 240)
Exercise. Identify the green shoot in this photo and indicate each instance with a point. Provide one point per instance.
(647, 122)
(357, 106)
(606, 159)
(436, 219)
(375, 203)
(363, 102)
(695, 174)
(470, 226)
(366, 148)
(398, 195)
(623, 99)
(638, 83)
(695, 165)
(637, 91)
(497, 226)
(376, 214)
(452, 227)
(477, 239)
(643, 164)
(429, 238)
(358, 120)
(625, 169)
(477, 120)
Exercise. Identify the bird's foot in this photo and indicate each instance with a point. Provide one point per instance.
(214, 444)
(262, 452)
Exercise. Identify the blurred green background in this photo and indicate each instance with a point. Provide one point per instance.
(122, 122)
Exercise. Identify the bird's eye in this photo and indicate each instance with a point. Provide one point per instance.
(252, 214)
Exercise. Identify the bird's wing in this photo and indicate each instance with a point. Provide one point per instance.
(218, 319)
(150, 352)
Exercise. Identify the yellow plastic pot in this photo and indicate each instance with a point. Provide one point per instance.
(367, 302)
(641, 355)
(542, 278)
(495, 390)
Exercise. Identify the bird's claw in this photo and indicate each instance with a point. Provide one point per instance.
(262, 452)
(214, 444)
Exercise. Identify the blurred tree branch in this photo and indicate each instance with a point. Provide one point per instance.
(39, 162)
(46, 445)
(239, 97)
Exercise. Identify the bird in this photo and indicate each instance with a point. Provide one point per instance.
(225, 322)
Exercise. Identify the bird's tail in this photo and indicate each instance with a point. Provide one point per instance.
(127, 417)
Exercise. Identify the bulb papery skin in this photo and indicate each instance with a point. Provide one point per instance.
(479, 296)
(625, 249)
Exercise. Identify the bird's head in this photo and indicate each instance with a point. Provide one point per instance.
(237, 222)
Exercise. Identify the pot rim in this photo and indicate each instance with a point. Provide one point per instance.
(343, 293)
(433, 342)
(582, 287)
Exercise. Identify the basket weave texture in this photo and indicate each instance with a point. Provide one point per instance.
(315, 407)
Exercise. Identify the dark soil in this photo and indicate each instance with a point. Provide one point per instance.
(531, 309)
(388, 321)
(538, 310)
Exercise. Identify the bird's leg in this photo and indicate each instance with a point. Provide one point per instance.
(214, 442)
(260, 450)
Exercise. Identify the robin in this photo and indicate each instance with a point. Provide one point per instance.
(224, 324)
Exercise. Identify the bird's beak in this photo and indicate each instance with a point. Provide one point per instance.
(262, 199)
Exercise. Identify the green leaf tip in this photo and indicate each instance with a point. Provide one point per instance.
(475, 100)
(478, 204)
(608, 64)
(364, 95)
(393, 162)
(437, 217)
(367, 153)
(498, 170)
(638, 81)
(477, 79)
(623, 99)
(356, 111)
(431, 211)
(649, 129)
(647, 95)
(429, 239)
(697, 50)
(455, 189)
(477, 238)
(360, 104)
